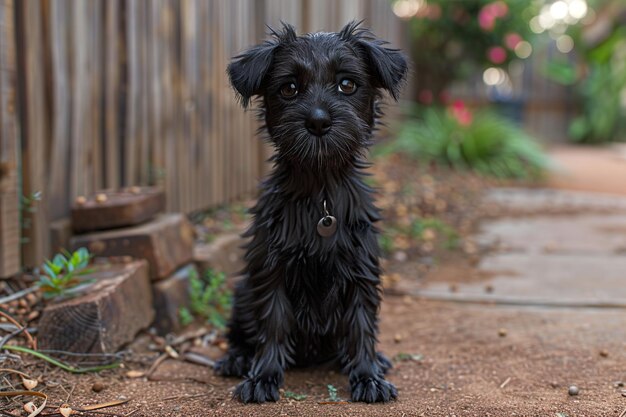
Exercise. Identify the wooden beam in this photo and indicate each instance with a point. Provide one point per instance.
(9, 203)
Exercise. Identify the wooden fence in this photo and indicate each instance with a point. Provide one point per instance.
(111, 93)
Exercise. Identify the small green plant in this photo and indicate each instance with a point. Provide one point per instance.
(210, 299)
(385, 240)
(294, 396)
(28, 207)
(332, 393)
(62, 274)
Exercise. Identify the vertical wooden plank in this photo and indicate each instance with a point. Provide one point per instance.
(131, 134)
(113, 51)
(9, 202)
(155, 121)
(94, 74)
(81, 175)
(33, 122)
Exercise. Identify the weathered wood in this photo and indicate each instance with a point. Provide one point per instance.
(33, 125)
(112, 209)
(170, 295)
(9, 203)
(119, 93)
(107, 316)
(224, 254)
(166, 243)
(60, 234)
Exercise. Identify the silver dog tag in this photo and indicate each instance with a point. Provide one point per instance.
(327, 226)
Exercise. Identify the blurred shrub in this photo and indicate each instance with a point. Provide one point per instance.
(452, 39)
(480, 141)
(598, 74)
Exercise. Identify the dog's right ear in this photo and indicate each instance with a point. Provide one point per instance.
(248, 70)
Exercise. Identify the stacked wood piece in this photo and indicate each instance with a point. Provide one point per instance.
(128, 224)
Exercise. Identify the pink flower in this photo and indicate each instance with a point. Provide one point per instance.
(461, 113)
(486, 20)
(511, 40)
(500, 8)
(496, 54)
(425, 97)
(490, 13)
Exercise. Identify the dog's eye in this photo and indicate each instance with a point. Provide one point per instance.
(347, 86)
(289, 90)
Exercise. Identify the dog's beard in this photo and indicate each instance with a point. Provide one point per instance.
(346, 141)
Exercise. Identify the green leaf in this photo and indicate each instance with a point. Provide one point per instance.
(292, 395)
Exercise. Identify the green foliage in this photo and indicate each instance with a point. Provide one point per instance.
(332, 393)
(62, 274)
(598, 76)
(486, 144)
(453, 39)
(186, 317)
(294, 396)
(385, 241)
(28, 205)
(210, 299)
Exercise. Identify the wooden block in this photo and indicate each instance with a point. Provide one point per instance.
(107, 316)
(166, 243)
(169, 296)
(111, 209)
(224, 254)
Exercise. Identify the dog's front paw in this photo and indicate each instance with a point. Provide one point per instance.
(232, 365)
(257, 390)
(372, 390)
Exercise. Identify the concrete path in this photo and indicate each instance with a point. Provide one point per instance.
(575, 258)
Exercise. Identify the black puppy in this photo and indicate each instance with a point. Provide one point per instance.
(311, 289)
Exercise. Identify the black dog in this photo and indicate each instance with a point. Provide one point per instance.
(311, 289)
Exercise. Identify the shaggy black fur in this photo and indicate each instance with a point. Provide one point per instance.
(307, 299)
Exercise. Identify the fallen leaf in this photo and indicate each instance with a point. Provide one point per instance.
(29, 384)
(135, 374)
(65, 410)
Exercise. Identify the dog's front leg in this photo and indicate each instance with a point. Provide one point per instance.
(272, 352)
(366, 373)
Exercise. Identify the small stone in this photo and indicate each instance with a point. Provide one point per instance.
(502, 332)
(81, 200)
(101, 198)
(397, 338)
(554, 384)
(223, 346)
(400, 256)
(97, 387)
(573, 390)
(604, 353)
(489, 288)
(135, 190)
(618, 384)
(624, 393)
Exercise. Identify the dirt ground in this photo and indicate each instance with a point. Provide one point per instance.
(450, 359)
(471, 361)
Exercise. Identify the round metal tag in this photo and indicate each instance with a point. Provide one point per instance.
(327, 226)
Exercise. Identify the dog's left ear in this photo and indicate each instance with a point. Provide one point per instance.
(388, 66)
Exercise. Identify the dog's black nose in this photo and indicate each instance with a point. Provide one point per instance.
(318, 122)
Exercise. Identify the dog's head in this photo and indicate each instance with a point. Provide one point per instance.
(319, 91)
